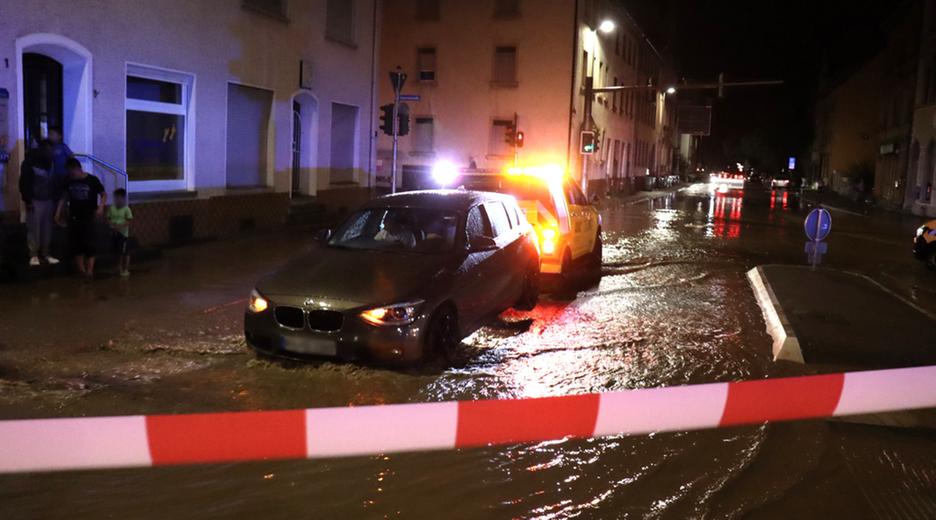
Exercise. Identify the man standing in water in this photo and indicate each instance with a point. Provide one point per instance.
(85, 199)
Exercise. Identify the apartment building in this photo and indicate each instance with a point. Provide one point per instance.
(482, 67)
(214, 114)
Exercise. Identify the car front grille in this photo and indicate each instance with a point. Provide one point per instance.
(326, 321)
(291, 317)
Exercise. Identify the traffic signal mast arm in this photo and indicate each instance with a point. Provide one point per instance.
(690, 86)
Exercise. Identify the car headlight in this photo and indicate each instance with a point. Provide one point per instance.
(393, 315)
(257, 303)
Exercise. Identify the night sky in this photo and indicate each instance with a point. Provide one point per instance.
(788, 40)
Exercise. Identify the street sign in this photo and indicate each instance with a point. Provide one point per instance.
(818, 224)
(410, 97)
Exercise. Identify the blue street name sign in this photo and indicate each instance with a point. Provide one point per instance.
(818, 224)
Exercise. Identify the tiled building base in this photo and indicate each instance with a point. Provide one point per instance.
(166, 221)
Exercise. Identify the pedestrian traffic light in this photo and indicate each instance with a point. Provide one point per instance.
(518, 140)
(589, 145)
(403, 116)
(386, 118)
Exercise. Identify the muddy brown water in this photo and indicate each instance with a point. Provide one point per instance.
(673, 307)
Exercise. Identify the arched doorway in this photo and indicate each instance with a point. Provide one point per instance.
(304, 178)
(54, 89)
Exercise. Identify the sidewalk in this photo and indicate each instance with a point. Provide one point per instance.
(836, 202)
(847, 320)
(841, 318)
(637, 198)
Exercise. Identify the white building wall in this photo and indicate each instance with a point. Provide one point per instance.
(216, 41)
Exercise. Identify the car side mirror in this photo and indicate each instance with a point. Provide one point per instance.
(481, 244)
(323, 235)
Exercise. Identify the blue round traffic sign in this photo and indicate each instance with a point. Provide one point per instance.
(818, 224)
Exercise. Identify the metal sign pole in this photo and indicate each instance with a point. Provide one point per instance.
(397, 79)
(396, 139)
(589, 98)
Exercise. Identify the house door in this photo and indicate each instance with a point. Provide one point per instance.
(42, 97)
(296, 147)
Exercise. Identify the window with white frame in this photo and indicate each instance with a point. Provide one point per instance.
(157, 127)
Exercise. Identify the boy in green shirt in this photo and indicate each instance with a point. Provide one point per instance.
(119, 217)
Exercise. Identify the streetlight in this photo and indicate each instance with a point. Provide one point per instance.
(671, 90)
(606, 26)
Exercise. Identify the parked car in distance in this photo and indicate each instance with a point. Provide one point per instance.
(924, 244)
(403, 278)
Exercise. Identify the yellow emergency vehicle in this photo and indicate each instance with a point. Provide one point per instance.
(568, 226)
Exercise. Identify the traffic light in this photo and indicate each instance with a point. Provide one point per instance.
(589, 144)
(403, 116)
(386, 118)
(510, 135)
(519, 140)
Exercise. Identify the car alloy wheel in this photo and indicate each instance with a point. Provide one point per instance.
(442, 335)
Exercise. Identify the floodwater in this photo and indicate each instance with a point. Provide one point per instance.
(673, 307)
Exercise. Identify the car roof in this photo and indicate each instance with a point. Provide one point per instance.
(452, 200)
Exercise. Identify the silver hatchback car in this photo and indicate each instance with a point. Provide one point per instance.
(403, 278)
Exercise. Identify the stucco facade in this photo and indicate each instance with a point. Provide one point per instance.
(210, 49)
(458, 70)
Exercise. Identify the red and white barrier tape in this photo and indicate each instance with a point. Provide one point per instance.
(157, 440)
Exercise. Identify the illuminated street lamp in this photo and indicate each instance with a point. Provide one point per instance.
(671, 90)
(606, 26)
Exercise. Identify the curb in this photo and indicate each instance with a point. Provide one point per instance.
(786, 345)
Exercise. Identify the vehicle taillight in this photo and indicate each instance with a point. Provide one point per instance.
(548, 241)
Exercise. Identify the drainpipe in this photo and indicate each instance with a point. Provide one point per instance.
(575, 55)
(370, 130)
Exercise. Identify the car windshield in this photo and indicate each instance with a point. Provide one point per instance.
(523, 188)
(417, 230)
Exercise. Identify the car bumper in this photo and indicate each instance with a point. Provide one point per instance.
(355, 340)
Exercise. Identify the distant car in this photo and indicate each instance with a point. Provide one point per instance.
(780, 182)
(725, 181)
(403, 278)
(567, 225)
(924, 243)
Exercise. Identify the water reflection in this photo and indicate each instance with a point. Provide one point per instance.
(724, 216)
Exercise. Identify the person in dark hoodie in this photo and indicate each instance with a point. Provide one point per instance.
(39, 191)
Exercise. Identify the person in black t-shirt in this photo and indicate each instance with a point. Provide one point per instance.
(85, 198)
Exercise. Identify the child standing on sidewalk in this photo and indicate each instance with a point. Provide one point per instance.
(119, 217)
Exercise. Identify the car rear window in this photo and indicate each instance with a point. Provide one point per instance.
(498, 216)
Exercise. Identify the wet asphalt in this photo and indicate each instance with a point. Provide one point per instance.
(673, 307)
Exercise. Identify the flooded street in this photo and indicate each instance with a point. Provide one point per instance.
(673, 307)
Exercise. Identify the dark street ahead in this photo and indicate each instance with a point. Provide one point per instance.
(673, 307)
